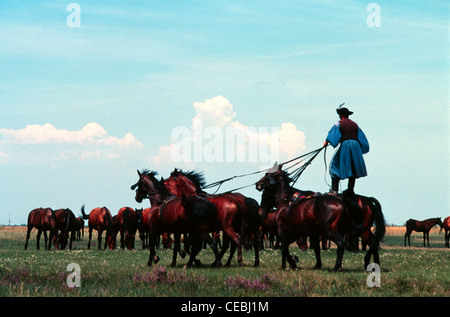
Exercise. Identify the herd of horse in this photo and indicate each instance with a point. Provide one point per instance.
(179, 206)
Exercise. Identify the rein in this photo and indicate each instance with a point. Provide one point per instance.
(297, 171)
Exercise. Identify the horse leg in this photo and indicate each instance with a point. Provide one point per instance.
(225, 246)
(72, 237)
(315, 243)
(408, 235)
(90, 238)
(285, 254)
(46, 240)
(152, 240)
(428, 238)
(212, 243)
(340, 242)
(447, 237)
(232, 251)
(176, 248)
(122, 239)
(99, 240)
(256, 245)
(196, 246)
(236, 239)
(284, 251)
(28, 236)
(50, 239)
(38, 239)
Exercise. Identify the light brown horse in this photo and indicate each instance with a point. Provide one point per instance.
(100, 219)
(42, 219)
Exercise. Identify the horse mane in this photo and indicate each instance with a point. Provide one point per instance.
(149, 173)
(197, 178)
(159, 184)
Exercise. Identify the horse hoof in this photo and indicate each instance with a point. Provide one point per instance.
(182, 254)
(198, 263)
(338, 269)
(156, 259)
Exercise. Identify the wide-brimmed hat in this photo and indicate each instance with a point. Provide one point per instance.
(343, 110)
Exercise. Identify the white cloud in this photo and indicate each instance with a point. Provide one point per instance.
(46, 143)
(217, 136)
(91, 133)
(217, 111)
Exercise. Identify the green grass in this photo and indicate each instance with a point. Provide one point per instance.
(405, 272)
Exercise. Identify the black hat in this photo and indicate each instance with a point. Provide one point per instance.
(343, 110)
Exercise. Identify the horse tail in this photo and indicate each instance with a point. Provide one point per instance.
(253, 208)
(380, 225)
(86, 217)
(253, 222)
(356, 215)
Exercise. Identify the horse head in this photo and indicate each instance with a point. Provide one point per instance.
(63, 236)
(272, 179)
(185, 183)
(440, 223)
(148, 186)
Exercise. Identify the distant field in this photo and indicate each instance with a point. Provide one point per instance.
(406, 271)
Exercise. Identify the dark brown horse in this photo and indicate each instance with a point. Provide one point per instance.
(303, 213)
(189, 215)
(446, 227)
(80, 228)
(372, 214)
(237, 215)
(100, 219)
(127, 222)
(43, 219)
(421, 226)
(66, 223)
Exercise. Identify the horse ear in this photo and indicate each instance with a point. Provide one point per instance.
(139, 173)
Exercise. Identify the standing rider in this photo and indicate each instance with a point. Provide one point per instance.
(348, 162)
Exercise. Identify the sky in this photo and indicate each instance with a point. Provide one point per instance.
(92, 92)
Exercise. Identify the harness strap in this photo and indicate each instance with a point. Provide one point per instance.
(165, 202)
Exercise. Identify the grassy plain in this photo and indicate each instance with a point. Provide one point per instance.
(406, 271)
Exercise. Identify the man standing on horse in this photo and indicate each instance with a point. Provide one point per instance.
(348, 162)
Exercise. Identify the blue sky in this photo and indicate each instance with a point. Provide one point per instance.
(83, 108)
